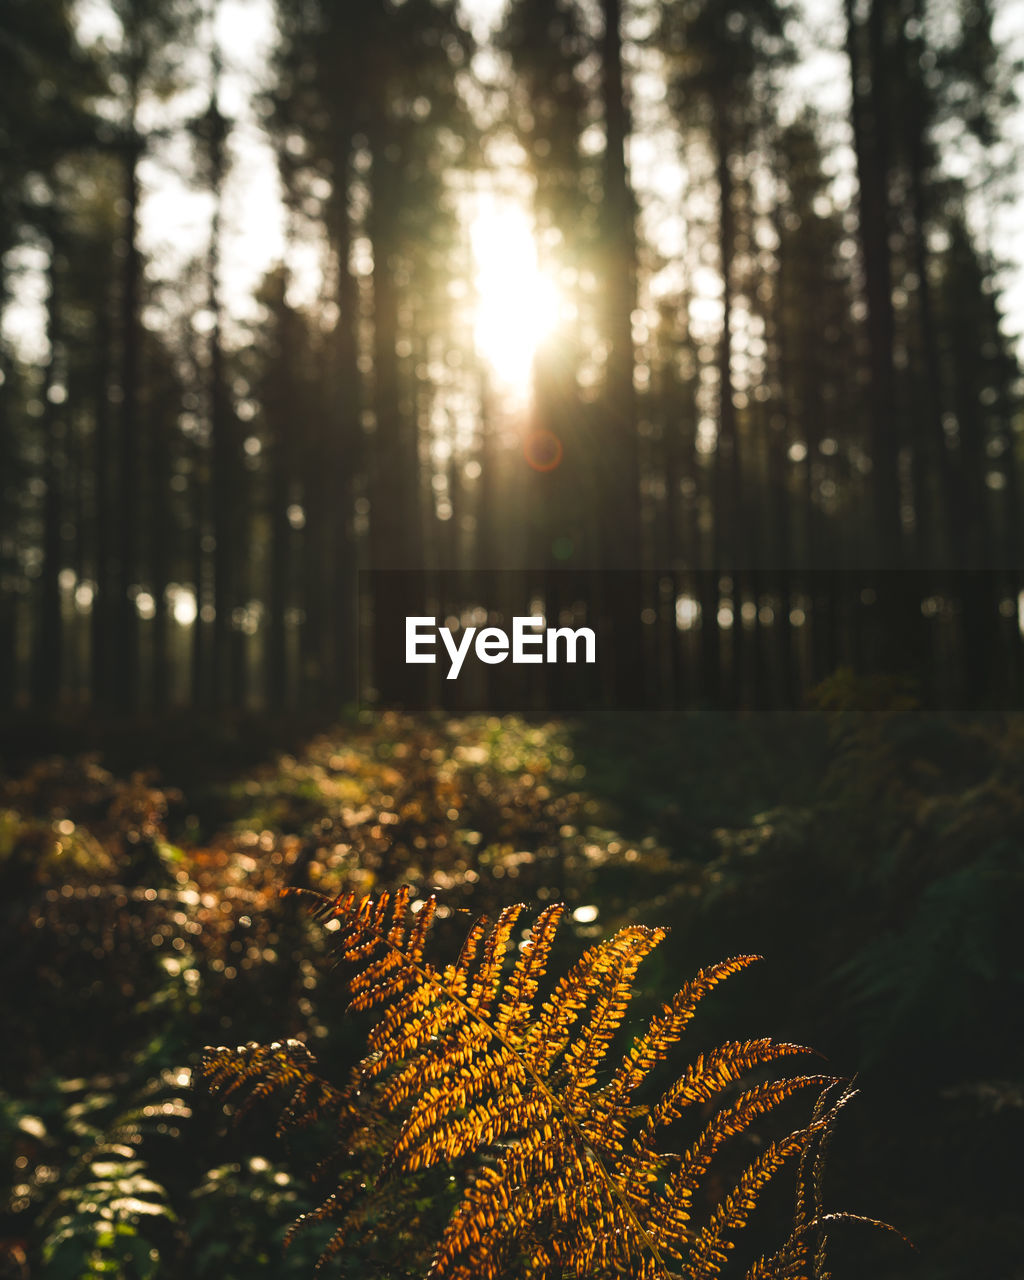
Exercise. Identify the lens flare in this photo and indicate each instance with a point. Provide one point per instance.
(542, 450)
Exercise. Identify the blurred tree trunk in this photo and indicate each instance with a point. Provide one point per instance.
(101, 618)
(279, 401)
(779, 430)
(317, 561)
(729, 544)
(48, 646)
(225, 473)
(1013, 546)
(199, 692)
(8, 515)
(932, 460)
(165, 395)
(348, 441)
(488, 488)
(125, 650)
(866, 46)
(621, 519)
(395, 516)
(971, 336)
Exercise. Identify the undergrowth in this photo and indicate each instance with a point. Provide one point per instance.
(139, 920)
(556, 1154)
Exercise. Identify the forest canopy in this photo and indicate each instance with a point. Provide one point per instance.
(552, 287)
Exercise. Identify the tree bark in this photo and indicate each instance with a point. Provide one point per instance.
(866, 50)
(395, 514)
(48, 648)
(620, 492)
(126, 649)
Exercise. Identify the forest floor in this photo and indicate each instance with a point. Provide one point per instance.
(870, 851)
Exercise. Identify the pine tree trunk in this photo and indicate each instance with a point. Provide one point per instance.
(126, 649)
(8, 523)
(871, 123)
(279, 404)
(779, 429)
(160, 532)
(729, 548)
(395, 514)
(199, 691)
(348, 448)
(101, 618)
(620, 492)
(222, 452)
(47, 648)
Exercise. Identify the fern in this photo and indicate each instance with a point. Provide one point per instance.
(469, 1068)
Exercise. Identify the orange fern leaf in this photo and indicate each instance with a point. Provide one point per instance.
(469, 1069)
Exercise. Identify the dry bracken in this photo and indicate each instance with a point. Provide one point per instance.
(557, 1151)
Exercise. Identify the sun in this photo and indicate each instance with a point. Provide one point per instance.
(518, 307)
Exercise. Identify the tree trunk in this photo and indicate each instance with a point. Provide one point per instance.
(348, 445)
(729, 543)
(200, 649)
(222, 442)
(8, 520)
(160, 537)
(279, 403)
(395, 515)
(871, 122)
(47, 649)
(126, 650)
(102, 616)
(621, 517)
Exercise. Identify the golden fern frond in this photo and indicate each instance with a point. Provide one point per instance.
(804, 1254)
(797, 1261)
(255, 1073)
(338, 1205)
(792, 1262)
(524, 984)
(808, 1204)
(669, 1023)
(710, 1249)
(547, 1037)
(670, 1210)
(715, 1071)
(701, 1083)
(613, 977)
(468, 1066)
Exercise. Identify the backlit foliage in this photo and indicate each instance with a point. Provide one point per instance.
(481, 1068)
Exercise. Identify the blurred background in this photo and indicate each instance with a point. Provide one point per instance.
(727, 296)
(718, 302)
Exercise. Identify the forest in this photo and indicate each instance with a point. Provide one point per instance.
(751, 410)
(696, 324)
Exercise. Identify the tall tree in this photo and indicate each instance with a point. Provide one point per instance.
(620, 496)
(47, 83)
(721, 57)
(552, 102)
(212, 131)
(143, 62)
(397, 112)
(820, 354)
(868, 40)
(48, 649)
(569, 66)
(279, 393)
(315, 100)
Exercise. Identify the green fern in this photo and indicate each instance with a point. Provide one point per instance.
(558, 1158)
